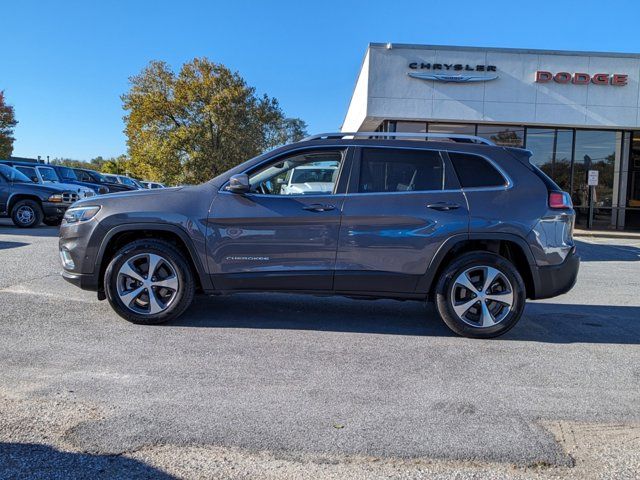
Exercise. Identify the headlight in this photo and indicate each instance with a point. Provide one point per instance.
(80, 214)
(56, 198)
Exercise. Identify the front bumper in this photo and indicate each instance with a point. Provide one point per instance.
(83, 281)
(54, 210)
(554, 280)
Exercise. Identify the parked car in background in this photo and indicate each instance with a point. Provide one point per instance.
(308, 179)
(41, 173)
(474, 227)
(68, 175)
(29, 203)
(123, 180)
(153, 184)
(91, 176)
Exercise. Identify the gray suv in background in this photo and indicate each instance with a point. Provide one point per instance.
(474, 227)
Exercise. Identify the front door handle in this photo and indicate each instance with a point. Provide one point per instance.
(443, 206)
(317, 207)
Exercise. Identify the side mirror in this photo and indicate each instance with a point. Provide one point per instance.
(239, 183)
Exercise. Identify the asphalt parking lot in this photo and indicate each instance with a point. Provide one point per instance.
(273, 386)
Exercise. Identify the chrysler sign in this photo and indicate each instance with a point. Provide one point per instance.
(452, 72)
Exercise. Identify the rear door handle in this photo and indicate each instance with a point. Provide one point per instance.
(443, 206)
(317, 207)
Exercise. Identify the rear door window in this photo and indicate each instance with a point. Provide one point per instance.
(400, 170)
(475, 171)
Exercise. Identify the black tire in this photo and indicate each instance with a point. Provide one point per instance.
(183, 296)
(444, 295)
(20, 210)
(52, 222)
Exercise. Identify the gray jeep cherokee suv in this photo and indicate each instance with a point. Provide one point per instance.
(474, 227)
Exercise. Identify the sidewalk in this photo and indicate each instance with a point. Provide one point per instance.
(578, 232)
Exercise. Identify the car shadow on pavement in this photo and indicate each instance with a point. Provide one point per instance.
(541, 322)
(28, 460)
(7, 245)
(29, 232)
(601, 252)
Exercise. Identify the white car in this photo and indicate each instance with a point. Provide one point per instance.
(153, 185)
(308, 179)
(123, 180)
(44, 174)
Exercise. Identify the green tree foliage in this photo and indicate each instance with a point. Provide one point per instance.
(7, 124)
(118, 165)
(193, 125)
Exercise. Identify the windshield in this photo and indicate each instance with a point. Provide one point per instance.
(127, 181)
(99, 176)
(13, 175)
(48, 174)
(67, 173)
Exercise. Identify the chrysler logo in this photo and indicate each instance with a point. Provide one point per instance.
(445, 77)
(453, 72)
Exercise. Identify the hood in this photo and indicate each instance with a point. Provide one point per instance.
(39, 187)
(68, 186)
(140, 195)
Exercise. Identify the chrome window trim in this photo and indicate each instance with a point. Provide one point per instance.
(508, 182)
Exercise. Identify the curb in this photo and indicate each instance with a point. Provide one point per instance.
(601, 234)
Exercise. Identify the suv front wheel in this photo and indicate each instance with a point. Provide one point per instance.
(149, 282)
(480, 295)
(26, 214)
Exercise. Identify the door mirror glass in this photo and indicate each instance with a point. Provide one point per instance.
(239, 183)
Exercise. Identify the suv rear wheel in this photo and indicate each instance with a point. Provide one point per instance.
(480, 295)
(149, 282)
(26, 214)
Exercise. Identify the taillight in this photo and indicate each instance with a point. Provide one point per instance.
(560, 200)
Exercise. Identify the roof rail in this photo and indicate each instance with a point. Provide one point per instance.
(400, 136)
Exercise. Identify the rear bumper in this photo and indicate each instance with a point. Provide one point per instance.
(555, 280)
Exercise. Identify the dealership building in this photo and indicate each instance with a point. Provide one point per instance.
(575, 111)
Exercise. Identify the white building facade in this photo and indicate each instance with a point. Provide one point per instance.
(576, 111)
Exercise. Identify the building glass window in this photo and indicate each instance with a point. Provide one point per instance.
(411, 127)
(562, 159)
(456, 128)
(632, 214)
(505, 135)
(552, 153)
(541, 142)
(595, 150)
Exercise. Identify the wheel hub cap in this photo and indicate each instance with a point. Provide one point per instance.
(482, 296)
(147, 284)
(25, 214)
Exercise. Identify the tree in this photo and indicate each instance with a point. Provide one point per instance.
(194, 125)
(7, 124)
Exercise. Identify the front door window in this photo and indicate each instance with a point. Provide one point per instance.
(309, 173)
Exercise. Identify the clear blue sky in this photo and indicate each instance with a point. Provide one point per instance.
(65, 64)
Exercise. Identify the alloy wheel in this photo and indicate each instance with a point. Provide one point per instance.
(482, 296)
(25, 215)
(147, 284)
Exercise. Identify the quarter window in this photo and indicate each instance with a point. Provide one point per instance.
(474, 171)
(400, 170)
